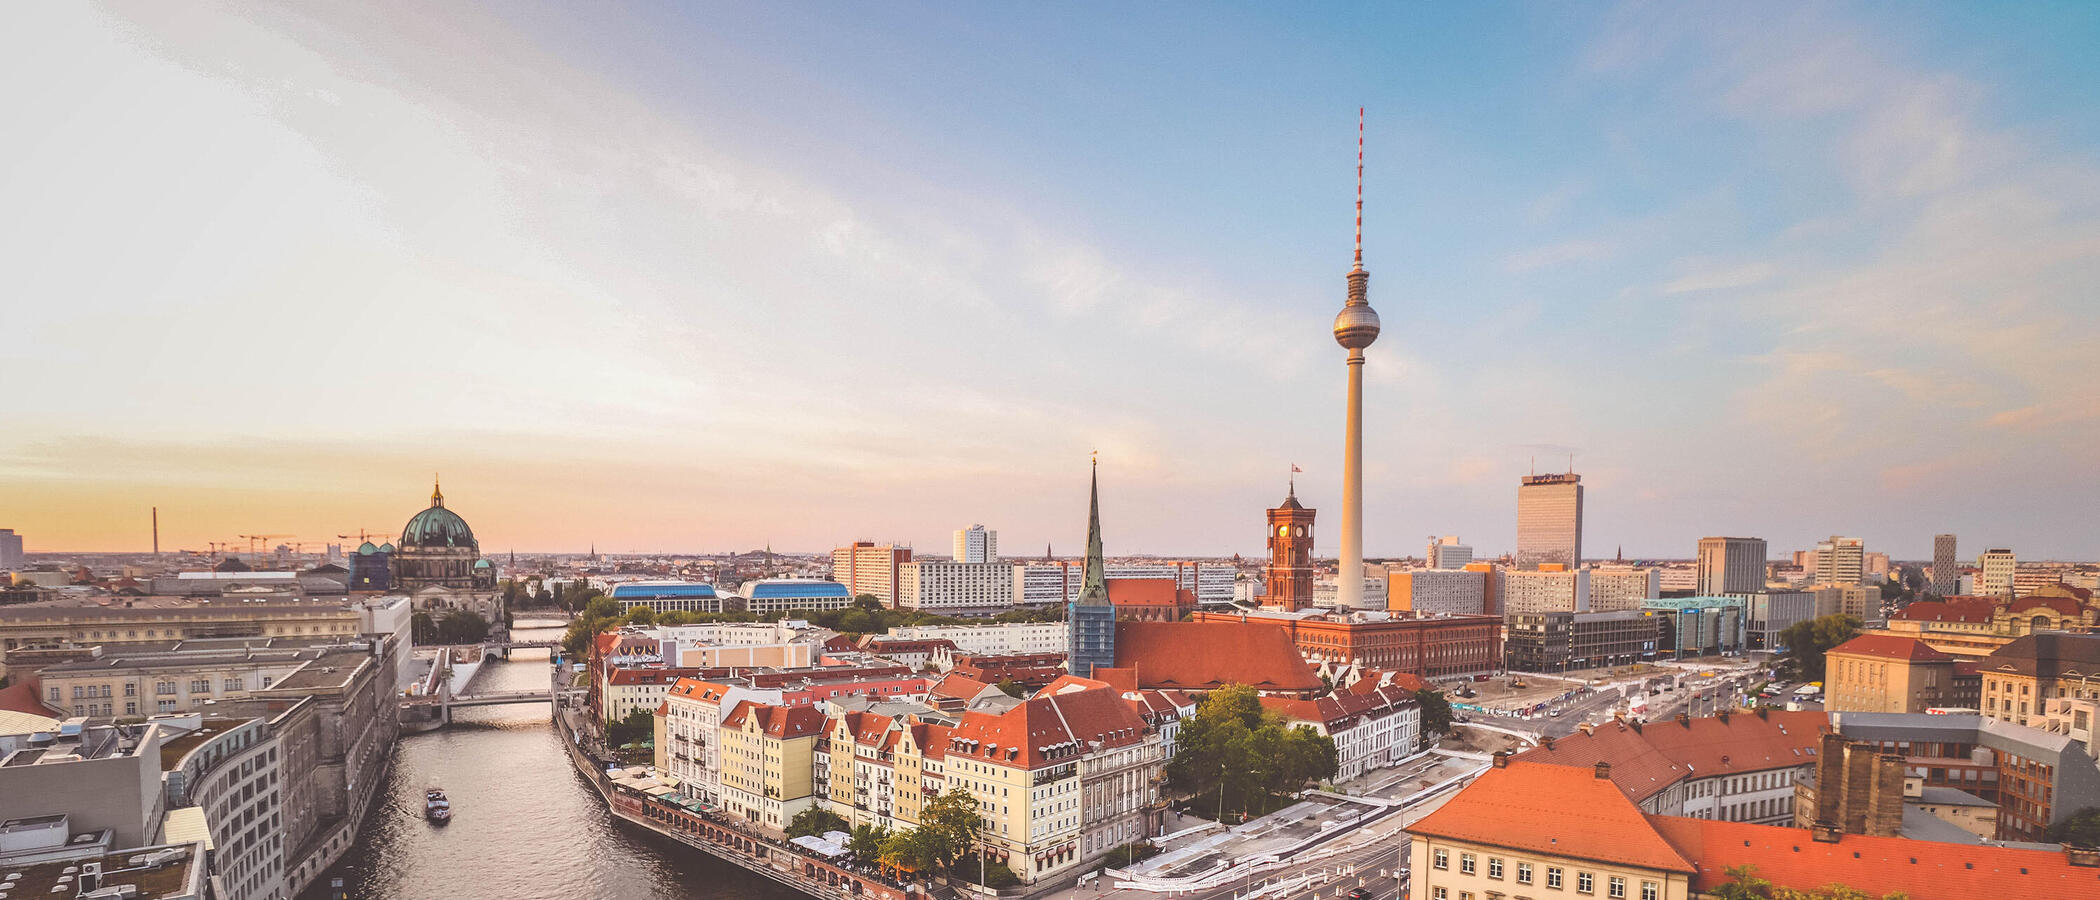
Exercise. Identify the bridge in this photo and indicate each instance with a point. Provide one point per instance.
(522, 645)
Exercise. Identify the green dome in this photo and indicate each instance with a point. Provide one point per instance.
(483, 564)
(366, 549)
(386, 548)
(436, 527)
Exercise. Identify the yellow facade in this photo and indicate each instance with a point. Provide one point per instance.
(1444, 869)
(766, 780)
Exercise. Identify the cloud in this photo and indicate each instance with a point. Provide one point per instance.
(1741, 276)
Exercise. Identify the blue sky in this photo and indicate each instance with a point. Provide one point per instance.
(696, 277)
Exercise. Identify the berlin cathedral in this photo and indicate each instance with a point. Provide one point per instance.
(437, 562)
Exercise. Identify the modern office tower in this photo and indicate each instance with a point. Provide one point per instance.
(976, 544)
(955, 588)
(1946, 573)
(1447, 553)
(1289, 574)
(1840, 560)
(1996, 576)
(1355, 327)
(866, 567)
(1549, 520)
(1731, 565)
(10, 549)
(1437, 591)
(1550, 588)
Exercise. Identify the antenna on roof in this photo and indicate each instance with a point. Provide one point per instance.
(1359, 187)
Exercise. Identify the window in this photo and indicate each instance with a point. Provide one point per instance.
(1466, 864)
(1494, 867)
(1615, 887)
(1553, 877)
(167, 706)
(1439, 894)
(1585, 883)
(131, 707)
(1650, 890)
(131, 689)
(1523, 873)
(1439, 858)
(54, 695)
(200, 685)
(164, 687)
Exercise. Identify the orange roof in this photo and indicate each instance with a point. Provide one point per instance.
(1924, 870)
(22, 697)
(1646, 760)
(1120, 679)
(1047, 729)
(777, 721)
(1148, 592)
(956, 684)
(1557, 810)
(1952, 609)
(2060, 605)
(1202, 656)
(1889, 646)
(1639, 768)
(1070, 682)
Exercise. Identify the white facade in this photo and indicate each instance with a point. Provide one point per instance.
(977, 640)
(1761, 798)
(1056, 583)
(976, 544)
(947, 587)
(1528, 591)
(1996, 576)
(1327, 591)
(1730, 565)
(1614, 588)
(1447, 553)
(1840, 560)
(1437, 591)
(690, 723)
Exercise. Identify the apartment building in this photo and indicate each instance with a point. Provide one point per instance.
(1886, 673)
(990, 639)
(1735, 767)
(1434, 591)
(768, 762)
(1996, 568)
(1372, 729)
(870, 569)
(1730, 565)
(1550, 588)
(952, 588)
(1614, 588)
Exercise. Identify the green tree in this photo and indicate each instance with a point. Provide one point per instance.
(813, 822)
(422, 629)
(1742, 884)
(1243, 756)
(951, 820)
(638, 726)
(1011, 687)
(2080, 829)
(640, 615)
(1808, 640)
(911, 850)
(866, 842)
(462, 626)
(1436, 711)
(601, 607)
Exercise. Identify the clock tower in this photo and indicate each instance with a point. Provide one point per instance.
(1289, 574)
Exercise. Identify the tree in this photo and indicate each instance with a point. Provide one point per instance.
(462, 626)
(1011, 687)
(602, 607)
(1243, 755)
(634, 728)
(866, 842)
(952, 822)
(1743, 884)
(911, 850)
(422, 629)
(641, 615)
(1806, 642)
(2081, 829)
(813, 822)
(1436, 711)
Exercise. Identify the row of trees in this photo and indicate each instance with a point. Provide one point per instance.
(1808, 640)
(1246, 755)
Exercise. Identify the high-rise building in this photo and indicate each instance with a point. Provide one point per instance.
(1616, 587)
(1092, 618)
(1840, 560)
(1289, 574)
(1946, 573)
(1447, 553)
(1437, 591)
(1551, 588)
(10, 549)
(952, 588)
(1355, 327)
(1549, 520)
(871, 569)
(976, 544)
(1731, 565)
(1996, 578)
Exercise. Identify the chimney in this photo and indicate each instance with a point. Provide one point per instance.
(1763, 711)
(1723, 716)
(1636, 726)
(1548, 741)
(1684, 718)
(1604, 770)
(1501, 759)
(1825, 833)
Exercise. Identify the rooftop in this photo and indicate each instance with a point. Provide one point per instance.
(1923, 870)
(1195, 656)
(171, 873)
(1554, 810)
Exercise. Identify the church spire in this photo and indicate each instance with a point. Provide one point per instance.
(437, 493)
(1094, 591)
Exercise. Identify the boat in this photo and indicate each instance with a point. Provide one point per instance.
(436, 807)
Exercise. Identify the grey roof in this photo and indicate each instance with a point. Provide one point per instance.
(1947, 796)
(2047, 654)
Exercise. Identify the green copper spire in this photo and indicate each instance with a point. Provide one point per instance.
(1095, 591)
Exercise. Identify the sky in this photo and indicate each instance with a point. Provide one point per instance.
(698, 277)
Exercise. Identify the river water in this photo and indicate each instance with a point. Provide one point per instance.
(524, 825)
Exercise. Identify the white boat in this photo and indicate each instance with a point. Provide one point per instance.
(436, 807)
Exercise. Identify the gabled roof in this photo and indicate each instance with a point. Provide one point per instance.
(1923, 870)
(1639, 768)
(1968, 610)
(1067, 683)
(1553, 810)
(782, 722)
(1890, 646)
(956, 684)
(2059, 605)
(1046, 730)
(1647, 759)
(1143, 592)
(1202, 656)
(2047, 654)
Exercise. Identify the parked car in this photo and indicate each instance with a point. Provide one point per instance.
(1360, 894)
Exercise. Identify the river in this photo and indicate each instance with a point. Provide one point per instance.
(524, 824)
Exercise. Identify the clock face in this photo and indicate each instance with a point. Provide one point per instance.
(1283, 531)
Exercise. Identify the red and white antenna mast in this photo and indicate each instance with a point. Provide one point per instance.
(1359, 187)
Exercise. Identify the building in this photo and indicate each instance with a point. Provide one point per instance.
(1552, 587)
(1997, 566)
(1946, 573)
(1975, 627)
(1729, 767)
(182, 677)
(1429, 646)
(1045, 584)
(768, 762)
(1447, 553)
(1549, 521)
(1614, 588)
(1437, 591)
(1207, 654)
(64, 624)
(1355, 327)
(44, 856)
(674, 596)
(976, 544)
(2019, 677)
(1855, 789)
(10, 549)
(998, 639)
(222, 777)
(1508, 834)
(438, 562)
(1730, 565)
(1371, 730)
(1289, 573)
(2036, 778)
(1773, 611)
(1860, 601)
(1887, 673)
(1840, 560)
(1150, 599)
(868, 569)
(1560, 641)
(1700, 626)
(1091, 620)
(952, 588)
(1328, 591)
(774, 596)
(692, 719)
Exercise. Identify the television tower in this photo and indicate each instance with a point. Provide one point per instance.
(1355, 327)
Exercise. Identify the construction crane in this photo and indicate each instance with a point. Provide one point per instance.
(254, 539)
(363, 536)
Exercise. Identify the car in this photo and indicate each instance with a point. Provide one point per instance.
(1554, 714)
(1360, 894)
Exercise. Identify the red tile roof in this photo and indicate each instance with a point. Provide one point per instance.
(1202, 656)
(1923, 870)
(1639, 768)
(2060, 605)
(1646, 760)
(783, 722)
(1152, 592)
(22, 696)
(1047, 730)
(1890, 646)
(1953, 609)
(1556, 810)
(1070, 683)
(956, 684)
(1340, 711)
